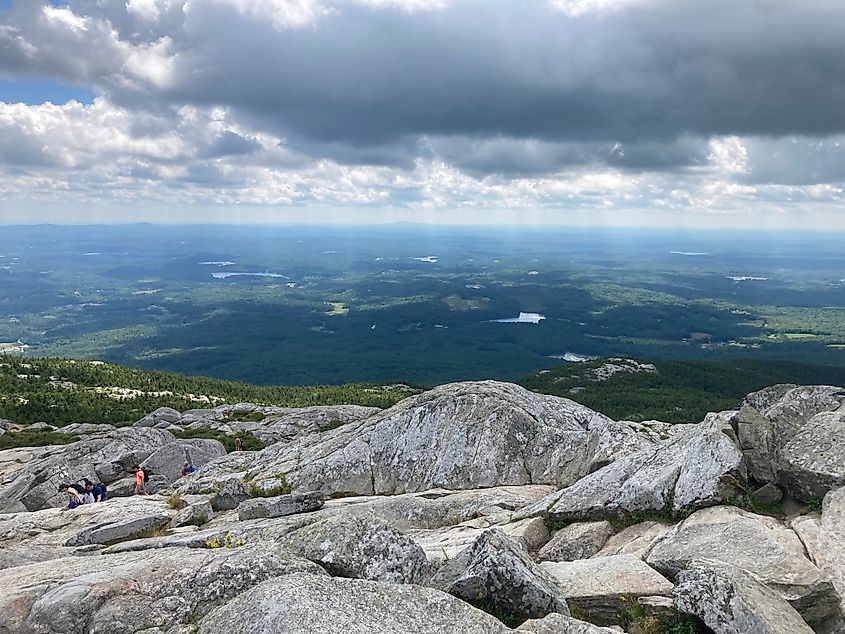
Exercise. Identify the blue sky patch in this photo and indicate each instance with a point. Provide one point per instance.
(37, 90)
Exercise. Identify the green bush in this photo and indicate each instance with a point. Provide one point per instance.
(282, 488)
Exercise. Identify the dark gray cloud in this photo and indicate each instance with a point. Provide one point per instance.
(649, 103)
(652, 76)
(669, 69)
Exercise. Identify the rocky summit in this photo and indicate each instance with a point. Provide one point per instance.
(474, 507)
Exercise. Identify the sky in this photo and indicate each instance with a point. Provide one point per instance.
(585, 112)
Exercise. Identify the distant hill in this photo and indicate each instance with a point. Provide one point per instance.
(60, 391)
(671, 391)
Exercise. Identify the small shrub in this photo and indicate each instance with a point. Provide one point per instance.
(333, 424)
(554, 524)
(632, 616)
(282, 488)
(228, 541)
(199, 519)
(815, 505)
(174, 501)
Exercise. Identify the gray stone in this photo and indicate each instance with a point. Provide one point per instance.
(556, 623)
(731, 601)
(691, 470)
(355, 547)
(770, 418)
(161, 415)
(129, 592)
(169, 459)
(813, 461)
(579, 540)
(433, 440)
(41, 426)
(85, 429)
(307, 604)
(195, 514)
(635, 540)
(446, 543)
(601, 586)
(532, 531)
(496, 573)
(30, 537)
(281, 505)
(823, 539)
(120, 529)
(767, 494)
(230, 495)
(757, 544)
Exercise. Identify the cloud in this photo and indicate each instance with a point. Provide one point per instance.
(414, 103)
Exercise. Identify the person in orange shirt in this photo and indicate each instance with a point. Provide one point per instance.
(140, 481)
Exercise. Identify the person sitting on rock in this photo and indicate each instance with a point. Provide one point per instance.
(97, 491)
(140, 481)
(74, 497)
(188, 468)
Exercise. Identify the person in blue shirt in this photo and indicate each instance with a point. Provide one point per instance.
(97, 490)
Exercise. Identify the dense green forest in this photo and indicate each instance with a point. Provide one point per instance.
(679, 391)
(337, 305)
(59, 392)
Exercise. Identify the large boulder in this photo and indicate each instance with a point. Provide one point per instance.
(602, 586)
(166, 415)
(35, 485)
(433, 440)
(579, 540)
(195, 514)
(305, 604)
(731, 601)
(169, 459)
(280, 505)
(230, 494)
(497, 575)
(813, 461)
(757, 544)
(131, 592)
(359, 548)
(823, 539)
(30, 537)
(690, 470)
(770, 418)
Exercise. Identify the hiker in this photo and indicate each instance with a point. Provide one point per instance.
(140, 481)
(239, 443)
(74, 497)
(188, 468)
(97, 491)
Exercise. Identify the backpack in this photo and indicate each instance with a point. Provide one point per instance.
(79, 487)
(147, 473)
